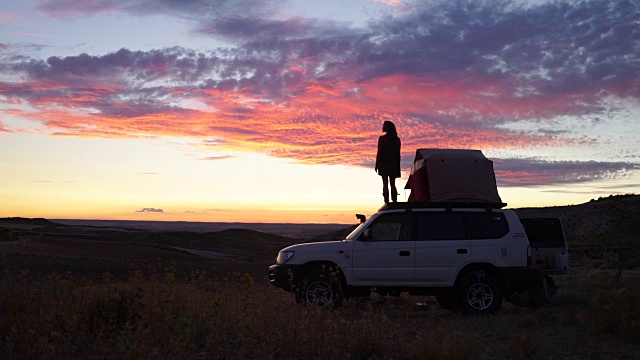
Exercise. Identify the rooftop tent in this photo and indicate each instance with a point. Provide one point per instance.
(452, 175)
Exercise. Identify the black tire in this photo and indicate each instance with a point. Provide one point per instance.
(447, 301)
(478, 293)
(320, 288)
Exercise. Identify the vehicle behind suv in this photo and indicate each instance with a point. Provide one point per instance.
(548, 243)
(470, 256)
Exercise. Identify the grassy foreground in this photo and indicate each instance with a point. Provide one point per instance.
(232, 317)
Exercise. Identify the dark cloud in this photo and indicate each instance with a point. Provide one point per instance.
(67, 8)
(153, 210)
(214, 158)
(604, 190)
(190, 212)
(116, 84)
(528, 171)
(573, 50)
(556, 49)
(189, 9)
(243, 28)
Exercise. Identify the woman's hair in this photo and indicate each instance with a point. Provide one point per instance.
(389, 128)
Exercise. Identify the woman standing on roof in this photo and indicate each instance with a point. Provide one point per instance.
(388, 160)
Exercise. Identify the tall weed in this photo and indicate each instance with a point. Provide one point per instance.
(231, 316)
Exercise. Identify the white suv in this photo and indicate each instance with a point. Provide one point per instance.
(470, 256)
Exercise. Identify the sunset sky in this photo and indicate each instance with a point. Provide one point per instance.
(269, 111)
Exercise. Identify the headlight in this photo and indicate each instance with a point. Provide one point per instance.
(283, 257)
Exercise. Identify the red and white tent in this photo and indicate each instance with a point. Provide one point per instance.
(452, 175)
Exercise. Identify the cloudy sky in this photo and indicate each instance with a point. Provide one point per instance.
(270, 110)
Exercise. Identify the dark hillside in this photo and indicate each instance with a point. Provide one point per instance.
(335, 235)
(24, 223)
(240, 242)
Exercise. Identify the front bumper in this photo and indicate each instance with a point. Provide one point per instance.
(282, 276)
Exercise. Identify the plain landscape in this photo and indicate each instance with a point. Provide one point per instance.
(107, 289)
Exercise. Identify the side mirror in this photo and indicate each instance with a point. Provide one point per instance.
(367, 235)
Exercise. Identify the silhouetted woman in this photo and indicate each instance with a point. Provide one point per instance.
(388, 160)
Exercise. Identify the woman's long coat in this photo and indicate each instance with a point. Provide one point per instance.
(388, 156)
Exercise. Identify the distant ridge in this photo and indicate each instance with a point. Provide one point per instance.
(26, 221)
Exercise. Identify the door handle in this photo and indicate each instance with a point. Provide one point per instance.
(405, 253)
(461, 251)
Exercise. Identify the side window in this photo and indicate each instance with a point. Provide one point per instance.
(440, 226)
(486, 225)
(434, 226)
(390, 227)
(457, 227)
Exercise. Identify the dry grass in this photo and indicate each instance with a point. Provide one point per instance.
(232, 317)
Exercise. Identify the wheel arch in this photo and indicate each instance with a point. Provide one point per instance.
(319, 265)
(482, 266)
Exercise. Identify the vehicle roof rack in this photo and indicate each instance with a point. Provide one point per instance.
(447, 205)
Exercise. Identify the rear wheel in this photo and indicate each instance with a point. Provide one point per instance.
(478, 293)
(321, 289)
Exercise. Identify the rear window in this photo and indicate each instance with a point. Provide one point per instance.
(461, 225)
(544, 232)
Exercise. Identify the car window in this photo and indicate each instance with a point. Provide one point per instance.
(440, 226)
(486, 225)
(392, 227)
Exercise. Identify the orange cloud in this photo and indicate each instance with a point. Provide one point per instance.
(334, 122)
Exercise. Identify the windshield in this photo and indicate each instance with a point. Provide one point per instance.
(352, 235)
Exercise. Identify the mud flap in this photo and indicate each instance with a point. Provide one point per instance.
(544, 291)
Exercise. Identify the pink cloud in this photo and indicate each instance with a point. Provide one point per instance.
(392, 3)
(2, 127)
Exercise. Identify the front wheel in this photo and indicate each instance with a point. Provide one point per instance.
(479, 293)
(321, 289)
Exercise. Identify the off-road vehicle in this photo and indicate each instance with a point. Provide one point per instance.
(470, 256)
